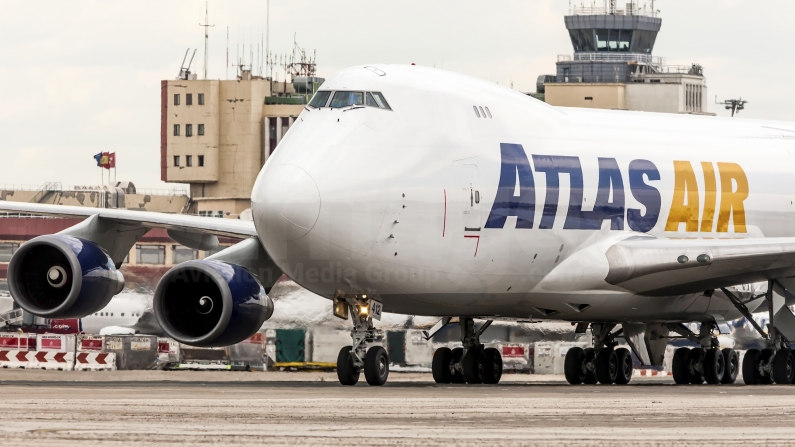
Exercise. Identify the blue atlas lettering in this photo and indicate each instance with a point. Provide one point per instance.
(514, 167)
(604, 208)
(647, 195)
(553, 166)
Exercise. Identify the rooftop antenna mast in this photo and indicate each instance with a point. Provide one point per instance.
(612, 10)
(184, 72)
(206, 36)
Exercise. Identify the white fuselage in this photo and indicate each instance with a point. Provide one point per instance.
(437, 211)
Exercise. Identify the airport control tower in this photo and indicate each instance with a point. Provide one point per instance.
(613, 66)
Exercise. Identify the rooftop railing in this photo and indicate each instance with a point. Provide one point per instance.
(635, 10)
(613, 57)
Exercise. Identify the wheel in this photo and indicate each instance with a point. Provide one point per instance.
(680, 366)
(441, 367)
(751, 375)
(732, 361)
(606, 366)
(474, 363)
(714, 366)
(458, 377)
(590, 375)
(694, 369)
(766, 357)
(376, 366)
(346, 372)
(624, 364)
(574, 366)
(493, 366)
(783, 367)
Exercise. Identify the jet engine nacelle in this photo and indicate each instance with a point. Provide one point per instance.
(210, 303)
(58, 276)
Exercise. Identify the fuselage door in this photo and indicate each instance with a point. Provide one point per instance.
(468, 171)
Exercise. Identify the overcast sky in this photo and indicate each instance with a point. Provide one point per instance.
(81, 77)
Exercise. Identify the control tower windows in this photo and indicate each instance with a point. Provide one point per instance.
(613, 40)
(320, 99)
(346, 99)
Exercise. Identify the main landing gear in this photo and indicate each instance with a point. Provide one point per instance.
(353, 359)
(473, 363)
(601, 364)
(707, 363)
(775, 363)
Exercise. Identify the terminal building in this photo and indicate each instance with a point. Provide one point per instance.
(613, 66)
(216, 135)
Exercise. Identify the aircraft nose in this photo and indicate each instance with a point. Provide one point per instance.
(289, 203)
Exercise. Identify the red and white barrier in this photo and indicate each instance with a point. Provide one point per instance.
(56, 343)
(18, 342)
(650, 373)
(15, 359)
(95, 361)
(63, 361)
(90, 343)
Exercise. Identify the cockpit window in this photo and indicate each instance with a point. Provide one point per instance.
(345, 99)
(381, 101)
(320, 99)
(371, 101)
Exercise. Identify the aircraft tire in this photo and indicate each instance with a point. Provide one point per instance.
(442, 360)
(766, 357)
(376, 366)
(732, 361)
(573, 366)
(474, 366)
(695, 376)
(458, 377)
(590, 375)
(606, 366)
(680, 366)
(751, 374)
(346, 372)
(783, 367)
(624, 364)
(714, 366)
(493, 366)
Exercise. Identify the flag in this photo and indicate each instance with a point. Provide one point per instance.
(111, 160)
(98, 158)
(103, 160)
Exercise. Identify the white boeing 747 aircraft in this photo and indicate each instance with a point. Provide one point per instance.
(420, 191)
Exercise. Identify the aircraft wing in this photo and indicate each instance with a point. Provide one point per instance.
(660, 267)
(208, 225)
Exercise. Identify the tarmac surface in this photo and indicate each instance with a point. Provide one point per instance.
(147, 408)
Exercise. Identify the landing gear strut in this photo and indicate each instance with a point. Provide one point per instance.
(473, 363)
(353, 359)
(776, 362)
(601, 364)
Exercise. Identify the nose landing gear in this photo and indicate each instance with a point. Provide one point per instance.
(353, 359)
(473, 363)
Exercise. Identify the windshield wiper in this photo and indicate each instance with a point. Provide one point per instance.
(353, 107)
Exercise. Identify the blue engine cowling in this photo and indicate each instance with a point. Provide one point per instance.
(210, 303)
(59, 276)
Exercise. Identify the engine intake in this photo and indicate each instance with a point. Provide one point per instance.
(210, 303)
(59, 276)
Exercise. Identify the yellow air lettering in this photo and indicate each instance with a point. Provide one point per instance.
(731, 202)
(685, 189)
(709, 197)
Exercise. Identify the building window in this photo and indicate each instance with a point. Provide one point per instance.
(201, 99)
(189, 160)
(176, 130)
(188, 99)
(201, 160)
(181, 254)
(176, 160)
(219, 214)
(176, 99)
(188, 130)
(7, 249)
(200, 130)
(150, 254)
